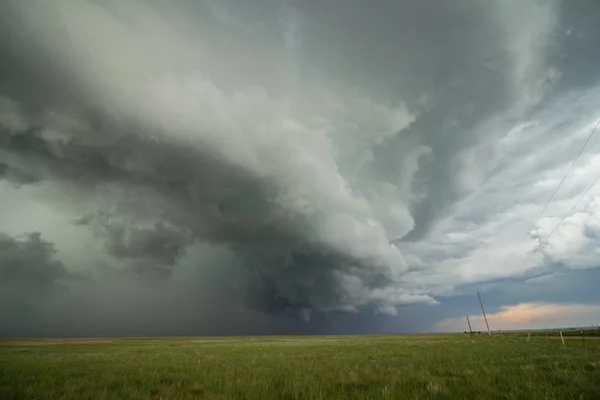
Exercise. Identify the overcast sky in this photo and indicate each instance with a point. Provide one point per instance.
(287, 166)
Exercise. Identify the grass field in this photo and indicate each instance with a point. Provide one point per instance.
(345, 367)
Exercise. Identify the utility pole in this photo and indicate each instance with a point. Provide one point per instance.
(484, 317)
(469, 322)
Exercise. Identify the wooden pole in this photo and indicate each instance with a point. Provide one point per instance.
(562, 338)
(484, 317)
(469, 322)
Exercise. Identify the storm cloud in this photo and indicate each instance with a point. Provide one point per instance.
(339, 157)
(29, 274)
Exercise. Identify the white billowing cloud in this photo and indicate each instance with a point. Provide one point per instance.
(387, 298)
(494, 231)
(575, 243)
(528, 316)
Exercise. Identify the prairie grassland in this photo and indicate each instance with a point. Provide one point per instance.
(342, 367)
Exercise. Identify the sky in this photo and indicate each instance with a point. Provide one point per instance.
(234, 167)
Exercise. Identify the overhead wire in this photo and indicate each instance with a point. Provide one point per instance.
(542, 242)
(555, 192)
(563, 219)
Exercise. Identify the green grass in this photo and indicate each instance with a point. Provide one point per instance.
(352, 367)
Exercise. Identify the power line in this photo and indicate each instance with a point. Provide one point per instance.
(555, 192)
(564, 218)
(573, 207)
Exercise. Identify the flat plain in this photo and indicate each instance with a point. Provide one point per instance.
(449, 366)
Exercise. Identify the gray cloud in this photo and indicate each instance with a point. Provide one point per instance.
(29, 265)
(152, 251)
(575, 43)
(29, 274)
(345, 156)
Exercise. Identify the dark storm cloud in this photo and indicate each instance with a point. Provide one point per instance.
(290, 260)
(29, 265)
(47, 302)
(148, 251)
(29, 274)
(302, 137)
(192, 302)
(576, 42)
(211, 202)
